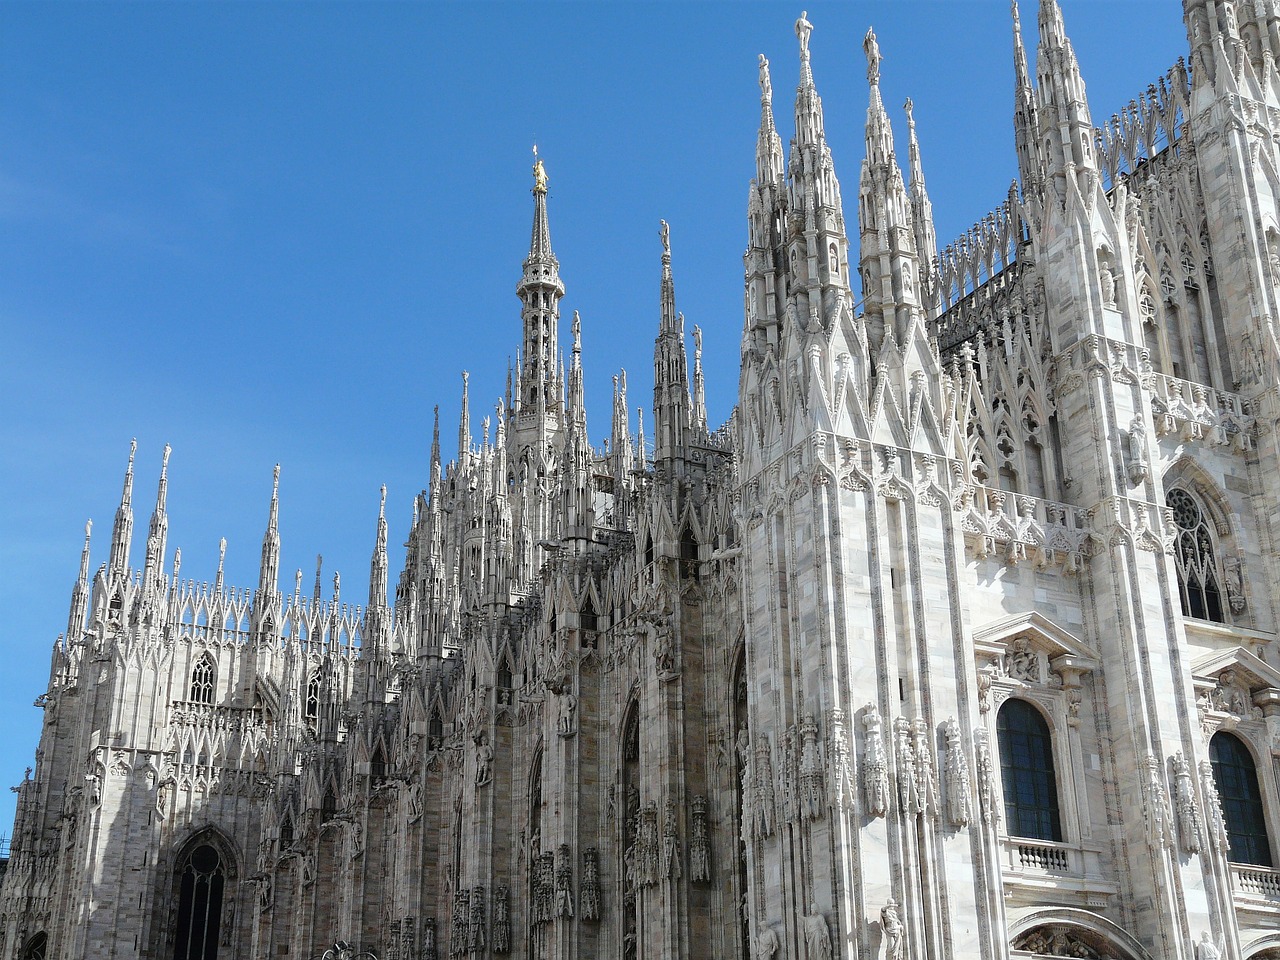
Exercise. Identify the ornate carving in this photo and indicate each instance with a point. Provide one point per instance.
(408, 929)
(700, 844)
(1021, 662)
(959, 802)
(811, 793)
(1155, 805)
(671, 858)
(544, 888)
(1052, 941)
(501, 920)
(765, 944)
(839, 761)
(458, 928)
(875, 770)
(589, 892)
(1213, 807)
(1185, 803)
(475, 930)
(564, 882)
(762, 790)
(986, 778)
(926, 790)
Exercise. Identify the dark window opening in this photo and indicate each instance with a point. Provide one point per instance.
(1195, 559)
(199, 905)
(1026, 768)
(1236, 778)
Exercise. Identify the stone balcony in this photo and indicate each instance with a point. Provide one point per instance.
(1070, 872)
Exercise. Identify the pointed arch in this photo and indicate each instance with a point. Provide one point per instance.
(36, 947)
(204, 873)
(203, 680)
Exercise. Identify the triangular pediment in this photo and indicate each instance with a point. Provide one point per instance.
(1249, 668)
(993, 639)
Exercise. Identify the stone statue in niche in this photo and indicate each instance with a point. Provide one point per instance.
(1233, 580)
(891, 927)
(1107, 284)
(700, 845)
(765, 944)
(1137, 450)
(589, 894)
(1206, 949)
(810, 770)
(484, 760)
(817, 938)
(568, 708)
(501, 920)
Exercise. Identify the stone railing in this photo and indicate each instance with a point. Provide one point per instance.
(1256, 882)
(1196, 412)
(1041, 855)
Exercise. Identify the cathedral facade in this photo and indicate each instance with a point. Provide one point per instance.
(957, 640)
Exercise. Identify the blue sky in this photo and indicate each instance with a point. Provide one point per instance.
(278, 232)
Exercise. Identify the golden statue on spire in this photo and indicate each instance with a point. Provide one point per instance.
(539, 172)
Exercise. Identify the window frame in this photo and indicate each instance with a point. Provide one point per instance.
(1263, 851)
(1053, 832)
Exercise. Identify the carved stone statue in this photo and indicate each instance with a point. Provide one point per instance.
(817, 938)
(766, 85)
(891, 926)
(484, 760)
(875, 773)
(1206, 949)
(765, 944)
(803, 29)
(872, 50)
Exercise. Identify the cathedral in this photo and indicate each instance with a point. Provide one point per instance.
(957, 640)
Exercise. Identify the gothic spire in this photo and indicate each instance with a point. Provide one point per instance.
(464, 424)
(220, 579)
(921, 207)
(1063, 107)
(577, 398)
(671, 370)
(122, 531)
(157, 533)
(769, 162)
(378, 564)
(435, 450)
(699, 385)
(80, 592)
(269, 571)
(540, 291)
(1026, 138)
(808, 103)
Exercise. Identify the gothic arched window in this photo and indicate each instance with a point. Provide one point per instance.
(199, 905)
(378, 763)
(1236, 778)
(202, 681)
(1026, 768)
(36, 947)
(313, 697)
(1194, 556)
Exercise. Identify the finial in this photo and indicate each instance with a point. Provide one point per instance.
(337, 585)
(382, 506)
(909, 108)
(297, 583)
(164, 464)
(222, 553)
(177, 563)
(1017, 17)
(577, 332)
(539, 173)
(697, 341)
(872, 50)
(803, 29)
(766, 85)
(665, 233)
(88, 528)
(133, 449)
(275, 482)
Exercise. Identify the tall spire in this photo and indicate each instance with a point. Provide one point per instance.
(378, 563)
(540, 291)
(122, 531)
(464, 424)
(158, 532)
(1025, 135)
(699, 385)
(671, 370)
(1063, 107)
(577, 399)
(269, 571)
(808, 104)
(769, 162)
(921, 207)
(80, 592)
(435, 450)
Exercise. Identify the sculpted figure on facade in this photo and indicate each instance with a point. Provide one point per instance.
(589, 894)
(839, 761)
(765, 945)
(892, 929)
(875, 770)
(959, 803)
(700, 844)
(564, 882)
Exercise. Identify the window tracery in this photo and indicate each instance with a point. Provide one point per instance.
(199, 905)
(1195, 558)
(202, 678)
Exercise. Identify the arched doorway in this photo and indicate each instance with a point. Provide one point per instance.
(36, 947)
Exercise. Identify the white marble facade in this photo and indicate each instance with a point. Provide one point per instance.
(957, 640)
